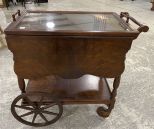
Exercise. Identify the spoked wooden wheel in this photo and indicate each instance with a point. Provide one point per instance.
(36, 110)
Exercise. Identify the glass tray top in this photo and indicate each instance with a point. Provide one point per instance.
(83, 22)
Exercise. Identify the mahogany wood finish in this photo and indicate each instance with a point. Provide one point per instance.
(62, 53)
(86, 89)
(73, 48)
(73, 53)
(142, 28)
(106, 112)
(21, 83)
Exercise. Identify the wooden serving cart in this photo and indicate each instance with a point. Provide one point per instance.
(66, 57)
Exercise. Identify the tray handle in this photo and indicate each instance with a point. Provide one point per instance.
(14, 15)
(142, 28)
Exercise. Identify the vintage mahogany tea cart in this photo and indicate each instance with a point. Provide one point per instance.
(67, 56)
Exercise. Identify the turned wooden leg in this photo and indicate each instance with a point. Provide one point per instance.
(105, 112)
(152, 6)
(21, 83)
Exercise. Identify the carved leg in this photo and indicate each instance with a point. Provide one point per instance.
(21, 83)
(105, 112)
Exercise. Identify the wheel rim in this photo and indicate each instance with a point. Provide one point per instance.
(36, 113)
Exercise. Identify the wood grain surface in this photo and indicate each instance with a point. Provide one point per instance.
(38, 56)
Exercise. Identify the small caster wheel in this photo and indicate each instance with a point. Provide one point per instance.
(101, 111)
(32, 109)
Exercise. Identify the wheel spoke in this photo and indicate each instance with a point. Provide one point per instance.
(48, 106)
(51, 113)
(35, 115)
(43, 117)
(23, 107)
(27, 114)
(31, 107)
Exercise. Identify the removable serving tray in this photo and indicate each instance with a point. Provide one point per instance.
(70, 23)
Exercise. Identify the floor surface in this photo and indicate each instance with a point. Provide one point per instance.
(134, 108)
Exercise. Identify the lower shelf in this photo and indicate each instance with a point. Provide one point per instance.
(87, 89)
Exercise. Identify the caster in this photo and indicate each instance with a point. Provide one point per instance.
(101, 111)
(28, 111)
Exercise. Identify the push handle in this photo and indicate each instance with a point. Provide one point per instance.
(14, 15)
(142, 28)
